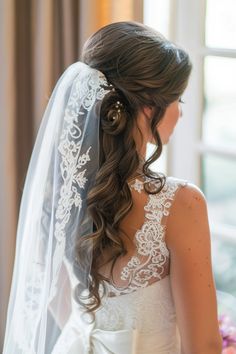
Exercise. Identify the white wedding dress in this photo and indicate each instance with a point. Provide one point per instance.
(141, 318)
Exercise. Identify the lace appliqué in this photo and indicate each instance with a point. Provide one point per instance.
(137, 185)
(149, 263)
(73, 163)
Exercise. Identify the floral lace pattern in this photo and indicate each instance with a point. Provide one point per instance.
(73, 162)
(150, 263)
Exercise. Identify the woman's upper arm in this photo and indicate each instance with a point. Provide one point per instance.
(192, 282)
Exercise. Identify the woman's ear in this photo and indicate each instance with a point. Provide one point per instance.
(148, 111)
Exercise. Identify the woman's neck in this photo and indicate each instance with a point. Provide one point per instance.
(139, 171)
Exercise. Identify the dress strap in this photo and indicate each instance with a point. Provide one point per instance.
(150, 262)
(159, 204)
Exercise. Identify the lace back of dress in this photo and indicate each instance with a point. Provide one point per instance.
(150, 260)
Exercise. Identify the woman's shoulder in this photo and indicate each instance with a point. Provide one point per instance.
(187, 194)
(188, 212)
(186, 198)
(182, 191)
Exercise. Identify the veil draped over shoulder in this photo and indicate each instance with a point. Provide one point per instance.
(53, 211)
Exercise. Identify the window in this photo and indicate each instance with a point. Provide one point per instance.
(218, 152)
(203, 147)
(152, 9)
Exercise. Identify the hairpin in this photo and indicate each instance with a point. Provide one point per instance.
(118, 107)
(112, 87)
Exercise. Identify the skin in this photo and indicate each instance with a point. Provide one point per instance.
(170, 119)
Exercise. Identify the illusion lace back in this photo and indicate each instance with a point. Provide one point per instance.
(137, 314)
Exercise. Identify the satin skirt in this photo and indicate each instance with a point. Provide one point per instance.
(86, 339)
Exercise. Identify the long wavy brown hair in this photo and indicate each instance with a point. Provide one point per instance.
(146, 70)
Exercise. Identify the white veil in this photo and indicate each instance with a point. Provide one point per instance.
(53, 211)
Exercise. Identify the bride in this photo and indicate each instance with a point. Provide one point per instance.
(112, 257)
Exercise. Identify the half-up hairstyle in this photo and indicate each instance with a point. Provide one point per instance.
(145, 69)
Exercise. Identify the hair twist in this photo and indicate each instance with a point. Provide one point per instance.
(114, 114)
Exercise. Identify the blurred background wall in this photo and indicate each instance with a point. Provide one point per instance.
(40, 38)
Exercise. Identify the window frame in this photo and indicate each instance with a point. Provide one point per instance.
(186, 148)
